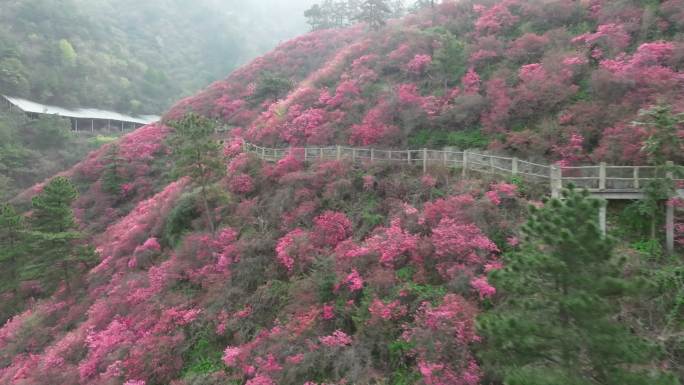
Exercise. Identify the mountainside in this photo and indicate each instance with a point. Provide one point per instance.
(32, 150)
(341, 273)
(130, 56)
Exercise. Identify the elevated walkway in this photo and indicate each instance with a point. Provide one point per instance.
(602, 181)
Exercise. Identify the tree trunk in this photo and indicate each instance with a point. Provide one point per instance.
(207, 211)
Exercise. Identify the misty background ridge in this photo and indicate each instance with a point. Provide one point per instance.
(132, 56)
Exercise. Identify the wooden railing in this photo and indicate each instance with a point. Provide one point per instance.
(597, 178)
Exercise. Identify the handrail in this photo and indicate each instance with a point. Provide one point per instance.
(469, 160)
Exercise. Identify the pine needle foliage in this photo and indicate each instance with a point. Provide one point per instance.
(558, 319)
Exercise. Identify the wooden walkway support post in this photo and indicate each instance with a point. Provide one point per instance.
(603, 213)
(339, 152)
(556, 181)
(464, 171)
(425, 160)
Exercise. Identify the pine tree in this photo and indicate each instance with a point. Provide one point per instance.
(52, 207)
(316, 17)
(111, 177)
(197, 154)
(558, 318)
(54, 232)
(374, 13)
(12, 245)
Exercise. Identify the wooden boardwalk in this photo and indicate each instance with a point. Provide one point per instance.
(602, 180)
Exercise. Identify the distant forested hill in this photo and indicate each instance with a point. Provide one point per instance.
(128, 55)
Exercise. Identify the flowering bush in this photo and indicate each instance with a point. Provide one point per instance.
(331, 228)
(338, 338)
(392, 243)
(379, 310)
(495, 18)
(460, 247)
(419, 64)
(292, 248)
(374, 128)
(452, 325)
(241, 184)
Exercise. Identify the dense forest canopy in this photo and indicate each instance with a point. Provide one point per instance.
(133, 56)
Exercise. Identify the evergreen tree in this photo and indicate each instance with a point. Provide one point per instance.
(374, 13)
(271, 86)
(12, 246)
(111, 177)
(558, 318)
(52, 207)
(315, 17)
(663, 126)
(54, 232)
(197, 154)
(419, 4)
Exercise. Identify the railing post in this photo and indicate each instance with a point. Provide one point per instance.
(425, 162)
(321, 151)
(408, 156)
(339, 152)
(602, 176)
(372, 151)
(354, 154)
(445, 156)
(491, 163)
(464, 171)
(556, 181)
(636, 177)
(514, 166)
(263, 153)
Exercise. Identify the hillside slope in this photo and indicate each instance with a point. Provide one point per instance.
(335, 273)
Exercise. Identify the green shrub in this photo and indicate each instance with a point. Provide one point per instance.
(179, 220)
(466, 139)
(204, 355)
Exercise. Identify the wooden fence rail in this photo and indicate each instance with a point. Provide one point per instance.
(595, 178)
